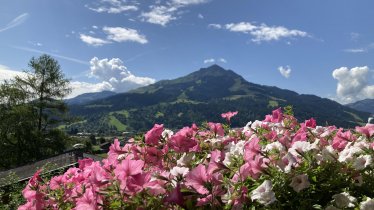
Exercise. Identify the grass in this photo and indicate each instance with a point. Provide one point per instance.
(116, 123)
(125, 113)
(273, 104)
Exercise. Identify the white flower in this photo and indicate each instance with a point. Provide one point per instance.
(214, 141)
(362, 162)
(343, 200)
(167, 133)
(256, 124)
(227, 160)
(348, 153)
(299, 147)
(185, 159)
(179, 171)
(274, 146)
(328, 153)
(247, 128)
(233, 150)
(264, 193)
(300, 182)
(318, 130)
(290, 161)
(362, 143)
(121, 157)
(367, 205)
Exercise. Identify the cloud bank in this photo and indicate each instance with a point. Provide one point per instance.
(114, 34)
(6, 73)
(163, 14)
(261, 33)
(112, 7)
(353, 84)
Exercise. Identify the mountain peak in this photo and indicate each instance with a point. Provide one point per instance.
(215, 66)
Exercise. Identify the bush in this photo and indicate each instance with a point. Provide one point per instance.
(276, 163)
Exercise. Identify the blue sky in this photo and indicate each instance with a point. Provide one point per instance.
(316, 47)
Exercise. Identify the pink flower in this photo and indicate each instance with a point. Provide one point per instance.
(153, 136)
(129, 168)
(276, 117)
(367, 130)
(197, 179)
(183, 140)
(89, 201)
(139, 182)
(116, 149)
(311, 123)
(341, 139)
(216, 158)
(85, 162)
(216, 128)
(252, 168)
(96, 174)
(153, 156)
(56, 182)
(32, 193)
(175, 196)
(229, 115)
(252, 149)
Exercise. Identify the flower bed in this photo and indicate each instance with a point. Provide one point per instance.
(276, 163)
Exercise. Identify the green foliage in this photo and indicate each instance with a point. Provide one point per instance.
(11, 192)
(30, 110)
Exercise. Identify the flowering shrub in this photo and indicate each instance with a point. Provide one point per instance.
(276, 163)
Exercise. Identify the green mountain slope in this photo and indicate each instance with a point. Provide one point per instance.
(202, 96)
(366, 105)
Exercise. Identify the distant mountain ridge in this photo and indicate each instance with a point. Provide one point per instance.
(88, 97)
(202, 96)
(366, 105)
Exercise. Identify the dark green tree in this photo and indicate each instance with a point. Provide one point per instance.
(30, 108)
(46, 85)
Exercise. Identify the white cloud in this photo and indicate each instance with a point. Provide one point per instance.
(266, 33)
(222, 60)
(112, 7)
(115, 74)
(188, 2)
(209, 60)
(79, 88)
(365, 49)
(95, 27)
(353, 84)
(215, 26)
(93, 41)
(160, 15)
(261, 32)
(163, 14)
(6, 73)
(200, 16)
(119, 34)
(244, 27)
(15, 22)
(212, 60)
(285, 71)
(355, 50)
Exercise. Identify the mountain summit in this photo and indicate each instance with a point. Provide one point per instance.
(203, 95)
